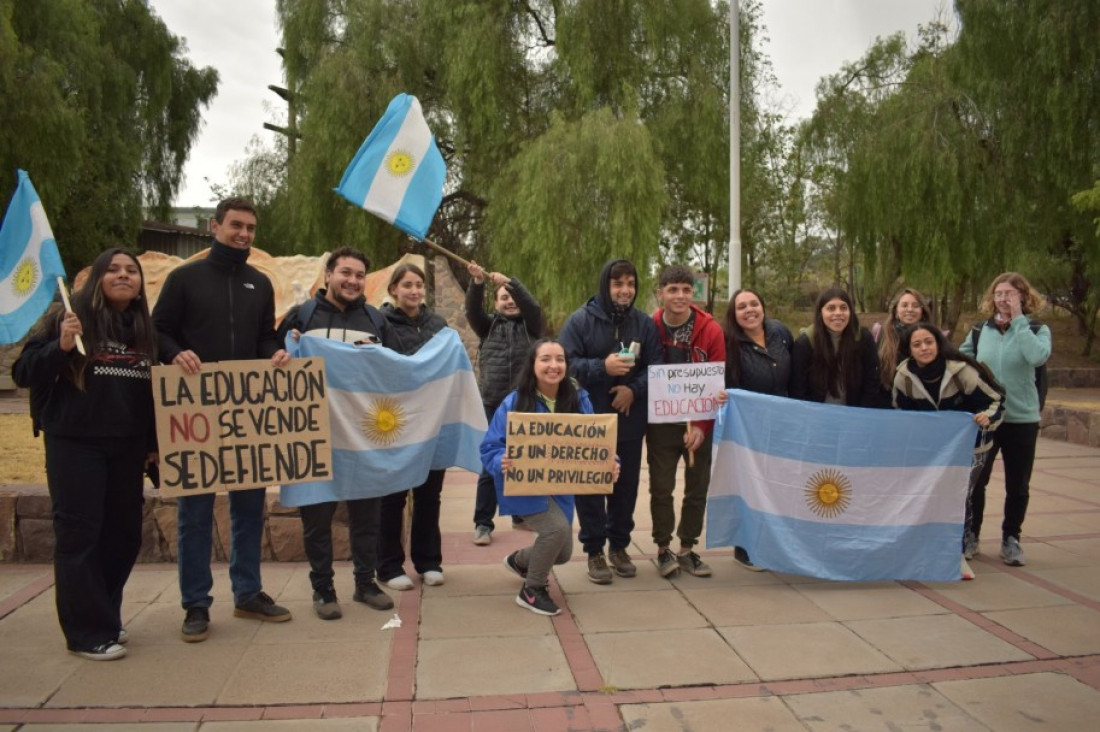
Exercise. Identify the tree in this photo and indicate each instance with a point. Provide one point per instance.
(101, 107)
(628, 96)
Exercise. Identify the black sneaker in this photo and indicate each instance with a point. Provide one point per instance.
(262, 607)
(742, 558)
(667, 564)
(537, 600)
(369, 593)
(513, 567)
(326, 605)
(196, 625)
(107, 652)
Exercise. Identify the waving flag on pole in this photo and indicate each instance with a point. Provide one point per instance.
(838, 492)
(398, 172)
(393, 417)
(29, 263)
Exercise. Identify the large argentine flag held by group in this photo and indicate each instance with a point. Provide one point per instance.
(29, 263)
(398, 172)
(838, 492)
(393, 417)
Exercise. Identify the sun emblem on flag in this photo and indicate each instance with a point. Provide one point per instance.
(400, 163)
(828, 493)
(25, 278)
(384, 421)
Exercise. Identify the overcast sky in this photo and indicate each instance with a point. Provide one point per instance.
(808, 39)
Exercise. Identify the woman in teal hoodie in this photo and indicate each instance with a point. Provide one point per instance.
(1012, 346)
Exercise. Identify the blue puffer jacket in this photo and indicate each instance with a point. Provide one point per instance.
(492, 450)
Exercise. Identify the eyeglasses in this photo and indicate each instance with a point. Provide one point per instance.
(1004, 295)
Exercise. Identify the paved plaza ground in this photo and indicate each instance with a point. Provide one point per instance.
(1016, 649)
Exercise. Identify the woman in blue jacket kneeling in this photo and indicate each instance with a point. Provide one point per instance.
(543, 386)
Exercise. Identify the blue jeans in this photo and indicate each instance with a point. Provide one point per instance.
(195, 524)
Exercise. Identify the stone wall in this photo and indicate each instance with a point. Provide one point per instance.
(26, 528)
(1081, 426)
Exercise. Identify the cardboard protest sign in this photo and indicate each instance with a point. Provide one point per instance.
(560, 454)
(241, 424)
(685, 392)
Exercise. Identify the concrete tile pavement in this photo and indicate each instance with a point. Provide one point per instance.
(1017, 649)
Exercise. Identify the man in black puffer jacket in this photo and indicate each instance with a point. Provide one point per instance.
(506, 335)
(339, 312)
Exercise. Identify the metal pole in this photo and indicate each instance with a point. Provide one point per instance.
(735, 148)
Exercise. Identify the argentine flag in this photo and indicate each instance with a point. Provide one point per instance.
(393, 417)
(840, 493)
(398, 172)
(29, 263)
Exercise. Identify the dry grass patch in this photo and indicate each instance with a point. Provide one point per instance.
(22, 459)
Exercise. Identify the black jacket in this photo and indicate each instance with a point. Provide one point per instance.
(862, 392)
(589, 337)
(353, 325)
(221, 309)
(408, 335)
(504, 341)
(117, 400)
(767, 369)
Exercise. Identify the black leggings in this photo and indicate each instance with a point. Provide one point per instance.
(1016, 443)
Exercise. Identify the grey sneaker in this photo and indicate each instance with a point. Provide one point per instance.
(196, 625)
(370, 594)
(692, 564)
(483, 535)
(598, 570)
(325, 604)
(970, 545)
(620, 562)
(1011, 553)
(262, 607)
(666, 562)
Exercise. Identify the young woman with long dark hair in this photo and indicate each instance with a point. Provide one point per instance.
(96, 411)
(834, 360)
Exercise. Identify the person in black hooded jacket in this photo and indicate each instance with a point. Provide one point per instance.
(506, 336)
(412, 324)
(339, 312)
(610, 345)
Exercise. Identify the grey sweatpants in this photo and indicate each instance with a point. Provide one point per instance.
(553, 544)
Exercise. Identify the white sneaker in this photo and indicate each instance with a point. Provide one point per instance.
(965, 570)
(432, 578)
(483, 536)
(123, 637)
(400, 582)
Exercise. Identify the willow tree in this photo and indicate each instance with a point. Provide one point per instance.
(503, 83)
(101, 106)
(1034, 69)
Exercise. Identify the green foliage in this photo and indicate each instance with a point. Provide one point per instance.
(579, 195)
(101, 108)
(573, 131)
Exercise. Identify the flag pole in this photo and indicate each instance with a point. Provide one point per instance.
(441, 250)
(69, 309)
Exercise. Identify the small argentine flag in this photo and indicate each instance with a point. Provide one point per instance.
(398, 172)
(29, 263)
(840, 493)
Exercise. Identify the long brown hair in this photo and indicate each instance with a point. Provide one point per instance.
(831, 367)
(734, 331)
(101, 322)
(889, 341)
(1029, 299)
